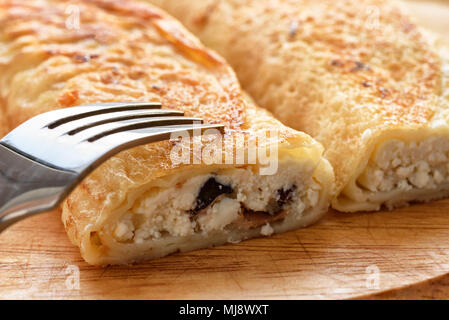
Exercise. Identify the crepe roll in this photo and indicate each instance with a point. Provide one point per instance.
(146, 202)
(361, 77)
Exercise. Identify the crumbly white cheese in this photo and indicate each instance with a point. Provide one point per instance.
(125, 228)
(162, 211)
(266, 230)
(219, 215)
(398, 165)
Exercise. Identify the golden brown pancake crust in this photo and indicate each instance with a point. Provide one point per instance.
(122, 51)
(334, 69)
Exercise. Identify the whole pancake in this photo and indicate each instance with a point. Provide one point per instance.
(359, 76)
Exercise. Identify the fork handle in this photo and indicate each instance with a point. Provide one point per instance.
(28, 187)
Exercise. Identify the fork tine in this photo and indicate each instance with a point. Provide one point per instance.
(52, 147)
(101, 108)
(121, 126)
(131, 138)
(128, 115)
(122, 103)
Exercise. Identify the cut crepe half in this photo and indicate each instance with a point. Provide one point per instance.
(140, 204)
(359, 76)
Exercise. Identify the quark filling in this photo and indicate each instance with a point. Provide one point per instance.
(219, 201)
(400, 172)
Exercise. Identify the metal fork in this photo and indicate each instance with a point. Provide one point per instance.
(42, 160)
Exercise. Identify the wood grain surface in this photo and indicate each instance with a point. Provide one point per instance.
(383, 255)
(339, 257)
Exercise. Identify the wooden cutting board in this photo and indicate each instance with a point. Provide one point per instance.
(342, 256)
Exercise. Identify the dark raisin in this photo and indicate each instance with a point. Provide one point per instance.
(208, 193)
(283, 197)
